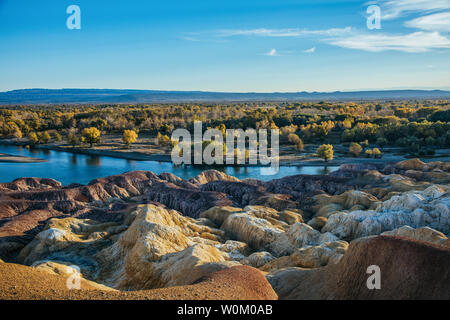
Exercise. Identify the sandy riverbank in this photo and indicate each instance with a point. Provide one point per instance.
(19, 159)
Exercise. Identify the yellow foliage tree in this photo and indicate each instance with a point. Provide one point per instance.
(326, 152)
(129, 137)
(91, 135)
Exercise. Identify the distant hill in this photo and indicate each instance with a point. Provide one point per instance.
(58, 96)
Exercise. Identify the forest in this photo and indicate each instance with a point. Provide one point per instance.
(417, 126)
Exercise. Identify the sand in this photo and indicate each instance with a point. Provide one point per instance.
(18, 282)
(19, 159)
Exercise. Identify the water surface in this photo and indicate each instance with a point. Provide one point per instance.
(69, 168)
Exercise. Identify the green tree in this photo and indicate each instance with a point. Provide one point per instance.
(129, 137)
(382, 142)
(355, 149)
(90, 135)
(430, 141)
(325, 151)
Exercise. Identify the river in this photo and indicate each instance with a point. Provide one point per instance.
(79, 168)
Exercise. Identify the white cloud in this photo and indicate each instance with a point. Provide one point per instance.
(413, 42)
(293, 32)
(392, 9)
(272, 53)
(433, 22)
(312, 50)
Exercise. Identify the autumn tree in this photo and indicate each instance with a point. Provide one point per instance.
(90, 135)
(295, 140)
(163, 139)
(325, 151)
(129, 137)
(44, 137)
(72, 138)
(17, 133)
(33, 138)
(222, 129)
(57, 136)
(376, 153)
(347, 123)
(355, 149)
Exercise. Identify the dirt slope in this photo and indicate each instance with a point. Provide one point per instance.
(409, 270)
(19, 282)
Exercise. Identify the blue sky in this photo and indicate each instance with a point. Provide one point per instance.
(259, 46)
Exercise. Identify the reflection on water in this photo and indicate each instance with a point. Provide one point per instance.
(34, 152)
(324, 170)
(73, 159)
(95, 161)
(69, 168)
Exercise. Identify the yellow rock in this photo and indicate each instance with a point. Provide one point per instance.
(317, 222)
(423, 234)
(411, 164)
(219, 214)
(160, 248)
(291, 216)
(310, 256)
(66, 270)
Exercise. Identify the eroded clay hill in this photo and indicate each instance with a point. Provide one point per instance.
(140, 232)
(409, 269)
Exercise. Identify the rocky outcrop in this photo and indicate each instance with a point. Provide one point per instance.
(301, 186)
(158, 249)
(412, 164)
(211, 175)
(26, 184)
(155, 247)
(409, 270)
(265, 229)
(72, 241)
(258, 259)
(218, 215)
(425, 234)
(191, 202)
(257, 232)
(310, 256)
(141, 231)
(242, 194)
(27, 203)
(430, 207)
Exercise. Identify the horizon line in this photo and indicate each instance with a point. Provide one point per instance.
(249, 92)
